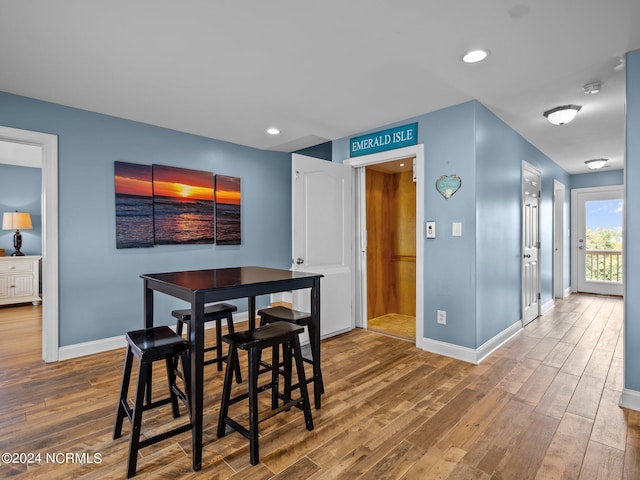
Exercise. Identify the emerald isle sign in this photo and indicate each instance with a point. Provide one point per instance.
(397, 137)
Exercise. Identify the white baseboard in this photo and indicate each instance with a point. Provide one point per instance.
(98, 346)
(471, 355)
(630, 399)
(281, 297)
(567, 292)
(89, 348)
(545, 308)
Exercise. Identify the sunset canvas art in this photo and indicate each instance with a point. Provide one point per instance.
(228, 210)
(183, 203)
(134, 205)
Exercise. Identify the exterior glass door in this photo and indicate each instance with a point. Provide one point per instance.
(599, 241)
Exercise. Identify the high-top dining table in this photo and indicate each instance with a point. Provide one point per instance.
(199, 287)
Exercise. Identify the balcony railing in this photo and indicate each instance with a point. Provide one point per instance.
(603, 265)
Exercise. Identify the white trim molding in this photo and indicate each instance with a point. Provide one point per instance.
(48, 146)
(360, 301)
(630, 399)
(475, 356)
(105, 344)
(547, 307)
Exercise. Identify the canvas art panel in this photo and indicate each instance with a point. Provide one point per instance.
(228, 206)
(134, 205)
(183, 203)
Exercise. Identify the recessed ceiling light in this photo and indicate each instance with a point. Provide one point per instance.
(475, 56)
(273, 131)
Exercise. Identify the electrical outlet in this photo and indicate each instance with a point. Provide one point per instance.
(442, 317)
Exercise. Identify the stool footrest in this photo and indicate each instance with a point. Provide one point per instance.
(163, 436)
(298, 403)
(244, 396)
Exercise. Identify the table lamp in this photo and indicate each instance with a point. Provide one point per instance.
(16, 220)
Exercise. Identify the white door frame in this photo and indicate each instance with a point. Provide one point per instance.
(49, 164)
(360, 274)
(576, 227)
(559, 232)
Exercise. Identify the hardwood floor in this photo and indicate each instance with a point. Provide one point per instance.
(544, 406)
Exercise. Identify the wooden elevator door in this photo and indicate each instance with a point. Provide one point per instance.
(391, 243)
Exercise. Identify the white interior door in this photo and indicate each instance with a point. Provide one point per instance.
(598, 233)
(531, 187)
(559, 233)
(323, 237)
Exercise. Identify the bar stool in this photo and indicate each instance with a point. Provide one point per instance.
(148, 346)
(254, 341)
(303, 319)
(217, 312)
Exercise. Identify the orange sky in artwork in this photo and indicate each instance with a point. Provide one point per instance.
(182, 183)
(228, 197)
(182, 190)
(133, 186)
(228, 190)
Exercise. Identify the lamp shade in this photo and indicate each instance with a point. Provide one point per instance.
(16, 221)
(596, 163)
(562, 115)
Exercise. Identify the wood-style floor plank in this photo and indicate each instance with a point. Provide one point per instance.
(544, 406)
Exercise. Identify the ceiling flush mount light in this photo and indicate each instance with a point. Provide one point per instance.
(475, 56)
(273, 131)
(592, 88)
(562, 115)
(596, 163)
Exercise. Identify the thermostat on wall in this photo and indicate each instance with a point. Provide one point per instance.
(431, 230)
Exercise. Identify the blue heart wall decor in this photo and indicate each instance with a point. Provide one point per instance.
(447, 185)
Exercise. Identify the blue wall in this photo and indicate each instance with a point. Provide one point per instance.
(20, 189)
(476, 278)
(100, 288)
(632, 227)
(600, 178)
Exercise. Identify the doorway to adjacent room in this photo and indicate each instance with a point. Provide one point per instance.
(391, 248)
(397, 281)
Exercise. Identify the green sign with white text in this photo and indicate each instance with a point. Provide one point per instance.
(389, 139)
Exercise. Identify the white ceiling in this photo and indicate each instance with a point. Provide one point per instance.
(327, 69)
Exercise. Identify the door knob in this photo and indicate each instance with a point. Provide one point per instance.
(299, 261)
(527, 256)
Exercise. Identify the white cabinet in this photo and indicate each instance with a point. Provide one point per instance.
(19, 280)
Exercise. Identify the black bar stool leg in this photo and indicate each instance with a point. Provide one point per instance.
(275, 359)
(136, 421)
(318, 382)
(124, 392)
(231, 329)
(149, 374)
(226, 393)
(306, 407)
(171, 377)
(253, 405)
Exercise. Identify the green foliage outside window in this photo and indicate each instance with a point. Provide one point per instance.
(604, 255)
